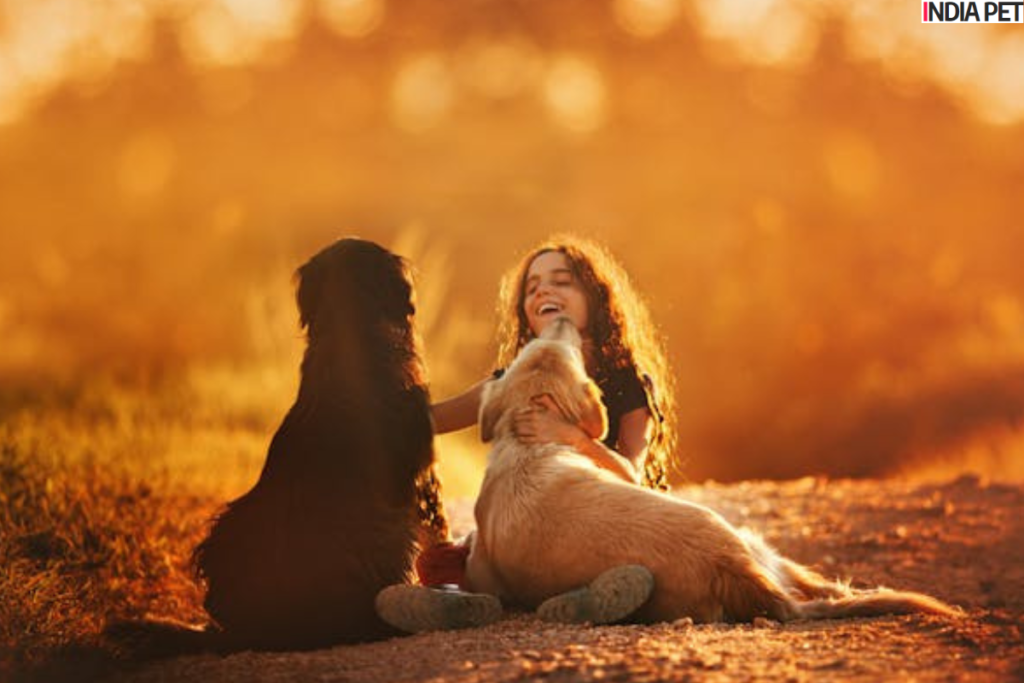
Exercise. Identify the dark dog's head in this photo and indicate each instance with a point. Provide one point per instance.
(356, 304)
(353, 281)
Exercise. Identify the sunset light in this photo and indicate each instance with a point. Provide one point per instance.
(788, 233)
(838, 211)
(46, 43)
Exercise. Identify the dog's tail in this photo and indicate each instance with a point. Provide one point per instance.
(873, 603)
(146, 639)
(797, 580)
(812, 596)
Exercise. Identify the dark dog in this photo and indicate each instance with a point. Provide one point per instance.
(347, 486)
(296, 561)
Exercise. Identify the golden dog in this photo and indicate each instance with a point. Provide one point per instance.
(549, 520)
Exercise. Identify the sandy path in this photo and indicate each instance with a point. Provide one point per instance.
(963, 542)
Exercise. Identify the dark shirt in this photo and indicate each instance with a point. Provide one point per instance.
(621, 392)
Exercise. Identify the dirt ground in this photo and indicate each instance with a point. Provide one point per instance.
(962, 541)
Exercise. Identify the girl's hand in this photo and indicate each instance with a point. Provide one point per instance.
(542, 422)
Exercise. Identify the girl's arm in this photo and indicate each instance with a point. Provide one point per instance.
(546, 425)
(607, 459)
(634, 436)
(459, 411)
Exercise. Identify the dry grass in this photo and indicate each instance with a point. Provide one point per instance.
(81, 546)
(106, 487)
(106, 483)
(99, 511)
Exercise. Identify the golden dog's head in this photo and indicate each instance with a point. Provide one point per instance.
(551, 365)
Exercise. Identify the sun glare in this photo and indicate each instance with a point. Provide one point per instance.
(43, 44)
(999, 96)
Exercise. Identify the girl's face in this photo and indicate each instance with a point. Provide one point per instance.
(551, 291)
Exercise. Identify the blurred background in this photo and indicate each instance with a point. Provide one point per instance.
(819, 199)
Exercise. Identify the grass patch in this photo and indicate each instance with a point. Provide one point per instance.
(84, 545)
(105, 489)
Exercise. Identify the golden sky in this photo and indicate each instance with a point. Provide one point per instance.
(46, 43)
(820, 199)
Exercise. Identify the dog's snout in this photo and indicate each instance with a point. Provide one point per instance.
(563, 330)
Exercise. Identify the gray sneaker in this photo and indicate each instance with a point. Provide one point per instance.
(612, 596)
(414, 609)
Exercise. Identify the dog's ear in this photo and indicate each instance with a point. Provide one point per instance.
(310, 279)
(580, 403)
(593, 417)
(492, 405)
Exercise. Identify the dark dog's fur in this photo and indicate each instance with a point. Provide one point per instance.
(296, 562)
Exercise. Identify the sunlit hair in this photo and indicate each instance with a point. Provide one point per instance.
(618, 324)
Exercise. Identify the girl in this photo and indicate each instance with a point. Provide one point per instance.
(577, 279)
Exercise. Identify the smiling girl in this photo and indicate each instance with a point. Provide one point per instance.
(577, 279)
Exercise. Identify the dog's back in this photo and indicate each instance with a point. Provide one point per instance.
(556, 522)
(297, 561)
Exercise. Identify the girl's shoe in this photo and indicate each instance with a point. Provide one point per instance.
(612, 596)
(414, 609)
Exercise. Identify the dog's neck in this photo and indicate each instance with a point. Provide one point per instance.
(360, 361)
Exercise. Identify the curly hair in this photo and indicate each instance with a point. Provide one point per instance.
(620, 326)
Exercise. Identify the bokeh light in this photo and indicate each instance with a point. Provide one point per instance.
(225, 32)
(770, 32)
(574, 93)
(353, 18)
(422, 93)
(500, 68)
(646, 18)
(819, 199)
